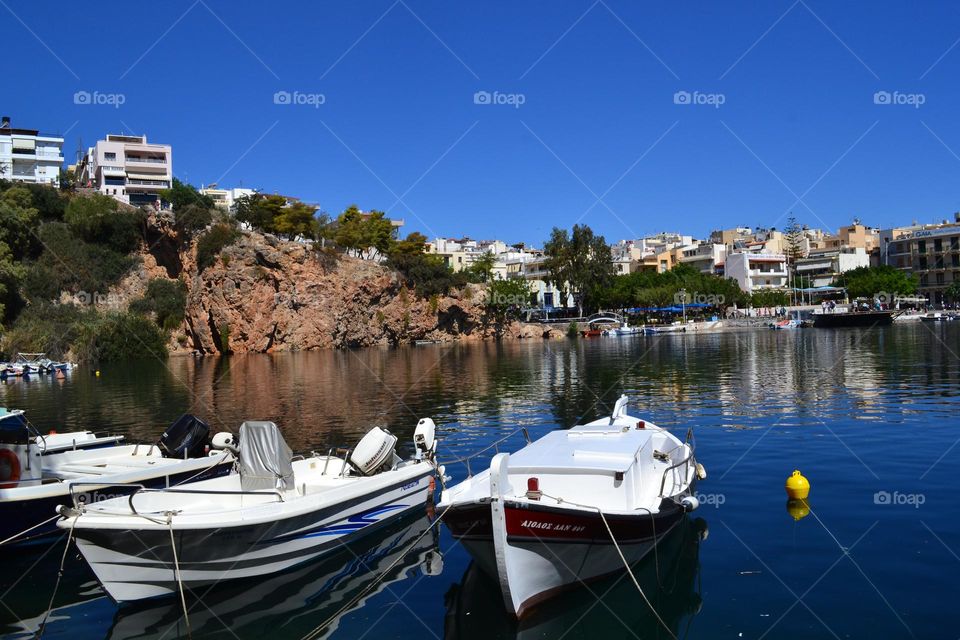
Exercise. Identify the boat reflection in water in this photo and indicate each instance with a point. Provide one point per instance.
(607, 608)
(293, 603)
(288, 604)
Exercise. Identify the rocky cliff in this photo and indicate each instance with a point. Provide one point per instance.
(263, 294)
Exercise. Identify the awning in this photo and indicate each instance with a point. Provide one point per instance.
(146, 176)
(24, 144)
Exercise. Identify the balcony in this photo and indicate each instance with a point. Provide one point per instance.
(146, 160)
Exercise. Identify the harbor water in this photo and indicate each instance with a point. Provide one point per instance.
(870, 417)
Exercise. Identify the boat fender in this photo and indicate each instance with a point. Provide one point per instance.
(689, 503)
(373, 451)
(9, 468)
(701, 472)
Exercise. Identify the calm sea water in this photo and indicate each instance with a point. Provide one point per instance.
(869, 416)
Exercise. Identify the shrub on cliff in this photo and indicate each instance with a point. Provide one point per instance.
(166, 299)
(428, 274)
(84, 332)
(72, 265)
(213, 242)
(99, 218)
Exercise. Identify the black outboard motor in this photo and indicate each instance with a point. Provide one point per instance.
(187, 437)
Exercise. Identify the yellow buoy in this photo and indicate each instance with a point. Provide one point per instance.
(798, 509)
(798, 488)
(97, 373)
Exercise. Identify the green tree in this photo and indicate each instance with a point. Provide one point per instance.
(18, 222)
(413, 244)
(482, 268)
(99, 218)
(866, 282)
(211, 243)
(505, 300)
(366, 235)
(952, 292)
(182, 194)
(297, 219)
(580, 261)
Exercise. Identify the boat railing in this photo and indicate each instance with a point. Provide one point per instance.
(139, 488)
(494, 445)
(685, 463)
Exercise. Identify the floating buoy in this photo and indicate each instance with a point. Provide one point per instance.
(97, 373)
(798, 509)
(798, 487)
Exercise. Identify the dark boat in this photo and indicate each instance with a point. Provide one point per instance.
(852, 319)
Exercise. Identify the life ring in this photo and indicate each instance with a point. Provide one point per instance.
(9, 468)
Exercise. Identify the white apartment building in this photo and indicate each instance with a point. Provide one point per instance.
(226, 198)
(821, 267)
(128, 168)
(26, 155)
(706, 258)
(754, 271)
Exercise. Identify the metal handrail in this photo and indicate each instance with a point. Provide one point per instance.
(683, 462)
(76, 483)
(200, 491)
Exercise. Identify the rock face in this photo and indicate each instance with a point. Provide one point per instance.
(264, 295)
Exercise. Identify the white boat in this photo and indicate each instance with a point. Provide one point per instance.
(628, 331)
(560, 511)
(274, 514)
(666, 328)
(38, 472)
(937, 316)
(785, 324)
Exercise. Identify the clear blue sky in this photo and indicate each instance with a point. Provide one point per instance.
(399, 121)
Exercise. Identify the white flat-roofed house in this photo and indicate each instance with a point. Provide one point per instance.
(128, 168)
(754, 271)
(822, 267)
(26, 155)
(226, 199)
(705, 258)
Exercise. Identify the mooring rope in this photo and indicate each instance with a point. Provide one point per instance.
(623, 559)
(56, 587)
(36, 526)
(383, 574)
(176, 574)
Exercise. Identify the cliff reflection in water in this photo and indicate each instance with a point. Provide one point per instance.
(478, 390)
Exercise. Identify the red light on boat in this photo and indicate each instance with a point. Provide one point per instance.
(641, 424)
(533, 489)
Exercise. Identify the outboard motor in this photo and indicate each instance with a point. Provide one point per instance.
(424, 438)
(187, 437)
(374, 451)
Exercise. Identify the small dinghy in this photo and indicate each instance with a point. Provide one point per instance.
(274, 514)
(573, 506)
(39, 472)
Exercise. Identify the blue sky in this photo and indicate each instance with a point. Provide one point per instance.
(598, 138)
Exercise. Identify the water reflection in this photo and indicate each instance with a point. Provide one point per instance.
(307, 601)
(608, 608)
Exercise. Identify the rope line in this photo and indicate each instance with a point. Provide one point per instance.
(383, 574)
(56, 587)
(623, 559)
(177, 576)
(36, 526)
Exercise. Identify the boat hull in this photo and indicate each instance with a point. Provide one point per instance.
(549, 550)
(17, 515)
(138, 564)
(856, 319)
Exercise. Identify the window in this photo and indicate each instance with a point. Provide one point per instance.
(938, 245)
(923, 263)
(923, 280)
(922, 246)
(955, 243)
(955, 259)
(109, 155)
(940, 278)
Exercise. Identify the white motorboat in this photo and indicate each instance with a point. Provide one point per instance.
(560, 511)
(39, 472)
(666, 328)
(628, 331)
(274, 514)
(937, 316)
